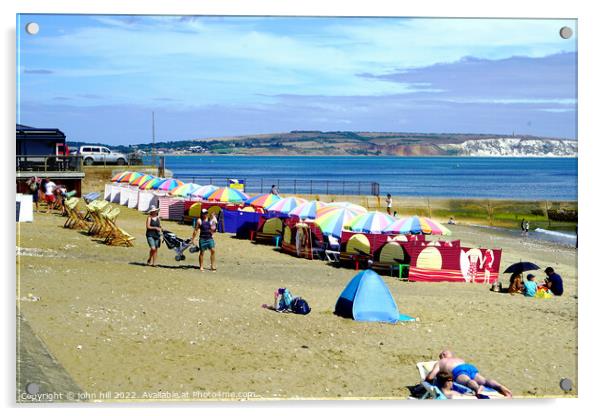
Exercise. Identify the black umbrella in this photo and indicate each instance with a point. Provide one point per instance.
(521, 266)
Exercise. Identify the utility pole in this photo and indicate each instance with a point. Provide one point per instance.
(153, 151)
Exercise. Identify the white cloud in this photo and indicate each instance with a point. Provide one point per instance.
(225, 60)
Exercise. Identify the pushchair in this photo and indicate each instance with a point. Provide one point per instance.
(177, 244)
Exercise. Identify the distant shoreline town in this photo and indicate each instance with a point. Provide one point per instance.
(343, 143)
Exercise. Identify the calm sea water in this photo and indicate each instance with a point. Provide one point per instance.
(454, 177)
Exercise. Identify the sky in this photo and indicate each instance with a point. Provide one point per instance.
(99, 77)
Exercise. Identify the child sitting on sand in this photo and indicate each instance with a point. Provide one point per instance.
(283, 299)
(530, 286)
(285, 302)
(516, 284)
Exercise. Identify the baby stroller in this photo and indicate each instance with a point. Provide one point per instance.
(177, 244)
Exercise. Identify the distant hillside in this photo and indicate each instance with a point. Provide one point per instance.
(347, 143)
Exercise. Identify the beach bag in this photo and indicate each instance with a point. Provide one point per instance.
(300, 306)
(543, 294)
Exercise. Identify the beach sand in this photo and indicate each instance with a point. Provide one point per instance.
(144, 333)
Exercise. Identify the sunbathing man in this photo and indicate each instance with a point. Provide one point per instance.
(465, 374)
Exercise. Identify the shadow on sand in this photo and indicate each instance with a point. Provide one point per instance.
(165, 266)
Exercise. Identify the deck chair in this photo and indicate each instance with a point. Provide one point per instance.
(95, 210)
(116, 236)
(333, 250)
(107, 222)
(92, 196)
(433, 392)
(119, 237)
(75, 217)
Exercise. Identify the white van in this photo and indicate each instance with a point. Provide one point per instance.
(101, 154)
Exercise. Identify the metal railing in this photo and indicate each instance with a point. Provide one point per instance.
(291, 186)
(48, 163)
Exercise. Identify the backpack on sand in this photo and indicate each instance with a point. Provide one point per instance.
(300, 306)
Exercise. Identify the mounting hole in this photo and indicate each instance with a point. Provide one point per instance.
(32, 388)
(566, 32)
(32, 28)
(566, 384)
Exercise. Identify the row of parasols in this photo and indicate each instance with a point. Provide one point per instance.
(332, 218)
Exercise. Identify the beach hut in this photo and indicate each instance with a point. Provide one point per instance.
(367, 298)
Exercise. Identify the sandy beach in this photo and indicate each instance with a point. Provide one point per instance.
(116, 325)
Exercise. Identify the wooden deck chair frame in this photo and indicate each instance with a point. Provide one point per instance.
(75, 218)
(95, 215)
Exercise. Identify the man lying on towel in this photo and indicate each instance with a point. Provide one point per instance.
(465, 374)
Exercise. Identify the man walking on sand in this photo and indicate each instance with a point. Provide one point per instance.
(465, 374)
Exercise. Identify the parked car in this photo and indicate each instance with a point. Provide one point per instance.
(100, 154)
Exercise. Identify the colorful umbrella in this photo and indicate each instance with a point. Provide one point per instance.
(169, 184)
(204, 191)
(129, 177)
(118, 176)
(332, 221)
(262, 200)
(141, 179)
(185, 190)
(228, 195)
(307, 210)
(152, 183)
(348, 205)
(417, 225)
(286, 205)
(371, 222)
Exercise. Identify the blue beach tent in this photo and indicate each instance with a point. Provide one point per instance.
(367, 298)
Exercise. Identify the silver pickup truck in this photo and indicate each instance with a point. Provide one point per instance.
(99, 154)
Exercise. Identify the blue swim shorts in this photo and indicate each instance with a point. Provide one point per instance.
(467, 369)
(153, 242)
(206, 244)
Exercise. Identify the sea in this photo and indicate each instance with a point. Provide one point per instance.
(552, 179)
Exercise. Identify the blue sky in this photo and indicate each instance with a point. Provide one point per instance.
(98, 78)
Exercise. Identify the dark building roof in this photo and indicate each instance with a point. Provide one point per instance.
(32, 133)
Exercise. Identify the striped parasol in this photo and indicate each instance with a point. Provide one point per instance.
(128, 178)
(141, 179)
(152, 184)
(371, 222)
(262, 200)
(348, 205)
(204, 191)
(332, 221)
(184, 190)
(286, 205)
(307, 210)
(119, 175)
(228, 195)
(417, 225)
(169, 184)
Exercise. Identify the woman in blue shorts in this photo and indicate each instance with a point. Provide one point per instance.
(153, 234)
(206, 242)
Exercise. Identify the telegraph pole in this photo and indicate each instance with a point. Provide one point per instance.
(153, 151)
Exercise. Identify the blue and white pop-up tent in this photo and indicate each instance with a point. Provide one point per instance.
(367, 298)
